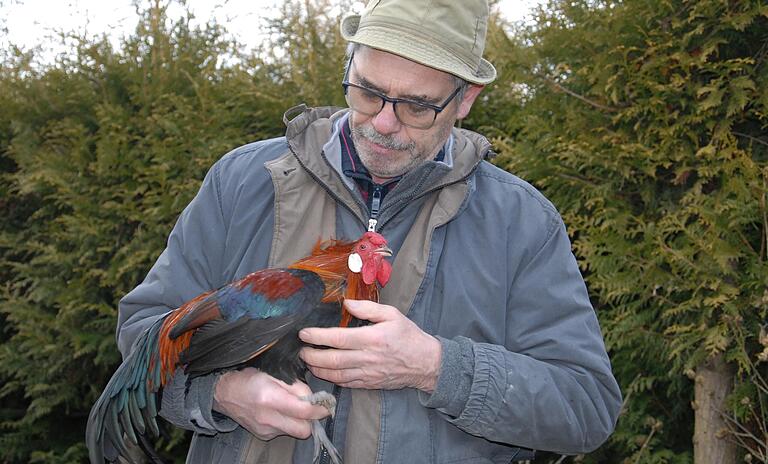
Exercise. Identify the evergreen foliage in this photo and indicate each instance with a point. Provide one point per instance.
(645, 123)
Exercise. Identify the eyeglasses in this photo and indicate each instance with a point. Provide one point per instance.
(419, 115)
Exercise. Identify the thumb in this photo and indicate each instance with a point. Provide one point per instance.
(371, 311)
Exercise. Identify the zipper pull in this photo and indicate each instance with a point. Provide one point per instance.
(375, 205)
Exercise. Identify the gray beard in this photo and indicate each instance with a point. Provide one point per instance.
(386, 171)
(369, 133)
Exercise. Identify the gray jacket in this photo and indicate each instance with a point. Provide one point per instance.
(482, 261)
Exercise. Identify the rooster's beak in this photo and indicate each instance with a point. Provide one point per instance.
(383, 251)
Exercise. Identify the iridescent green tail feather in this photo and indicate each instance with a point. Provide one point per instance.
(127, 408)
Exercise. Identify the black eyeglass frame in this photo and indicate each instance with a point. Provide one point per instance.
(386, 98)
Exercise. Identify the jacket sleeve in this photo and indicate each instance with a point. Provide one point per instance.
(550, 387)
(189, 265)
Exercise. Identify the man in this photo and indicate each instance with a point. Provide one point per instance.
(485, 346)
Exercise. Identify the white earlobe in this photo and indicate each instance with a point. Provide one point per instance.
(355, 263)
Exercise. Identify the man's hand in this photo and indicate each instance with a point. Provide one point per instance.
(264, 405)
(390, 354)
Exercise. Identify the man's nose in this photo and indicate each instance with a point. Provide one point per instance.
(386, 121)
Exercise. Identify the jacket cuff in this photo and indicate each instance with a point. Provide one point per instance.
(189, 404)
(454, 383)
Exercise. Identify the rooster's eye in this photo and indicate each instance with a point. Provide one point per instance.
(363, 247)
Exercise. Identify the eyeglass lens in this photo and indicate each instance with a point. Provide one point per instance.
(409, 113)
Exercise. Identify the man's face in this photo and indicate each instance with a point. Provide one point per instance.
(386, 147)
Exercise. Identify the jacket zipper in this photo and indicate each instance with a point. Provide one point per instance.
(375, 206)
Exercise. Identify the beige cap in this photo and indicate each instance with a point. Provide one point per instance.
(448, 35)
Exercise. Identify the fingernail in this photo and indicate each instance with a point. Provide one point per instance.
(352, 303)
(303, 334)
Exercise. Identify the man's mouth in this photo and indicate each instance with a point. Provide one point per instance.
(382, 149)
(381, 144)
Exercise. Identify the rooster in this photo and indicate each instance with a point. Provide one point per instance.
(250, 322)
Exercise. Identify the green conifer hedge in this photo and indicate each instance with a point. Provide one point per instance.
(645, 123)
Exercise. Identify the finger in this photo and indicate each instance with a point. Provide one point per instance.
(333, 337)
(334, 359)
(355, 339)
(297, 388)
(298, 408)
(287, 401)
(294, 427)
(371, 311)
(359, 384)
(338, 376)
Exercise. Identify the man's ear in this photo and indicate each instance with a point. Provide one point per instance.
(469, 98)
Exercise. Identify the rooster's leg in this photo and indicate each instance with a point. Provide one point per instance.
(324, 399)
(328, 401)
